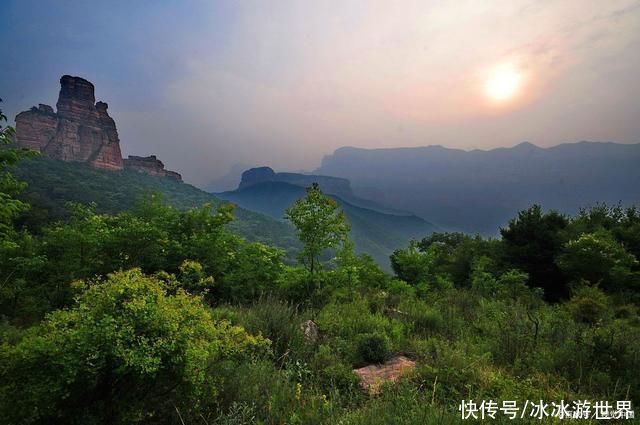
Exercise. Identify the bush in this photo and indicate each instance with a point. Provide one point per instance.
(373, 348)
(588, 305)
(423, 319)
(126, 352)
(280, 322)
(343, 324)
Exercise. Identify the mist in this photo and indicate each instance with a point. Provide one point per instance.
(206, 85)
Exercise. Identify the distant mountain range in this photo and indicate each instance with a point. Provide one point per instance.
(478, 191)
(376, 230)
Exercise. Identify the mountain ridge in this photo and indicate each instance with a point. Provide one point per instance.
(479, 190)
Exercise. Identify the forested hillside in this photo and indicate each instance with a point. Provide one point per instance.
(52, 184)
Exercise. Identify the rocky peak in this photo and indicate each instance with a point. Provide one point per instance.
(150, 165)
(81, 130)
(102, 107)
(76, 100)
(256, 175)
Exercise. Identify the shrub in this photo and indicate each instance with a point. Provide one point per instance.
(280, 322)
(423, 319)
(373, 348)
(126, 352)
(588, 305)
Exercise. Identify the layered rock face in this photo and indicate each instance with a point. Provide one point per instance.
(81, 130)
(150, 165)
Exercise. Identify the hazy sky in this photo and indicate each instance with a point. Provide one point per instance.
(207, 84)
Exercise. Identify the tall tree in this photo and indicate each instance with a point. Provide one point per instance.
(531, 243)
(320, 224)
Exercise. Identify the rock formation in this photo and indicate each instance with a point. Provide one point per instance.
(373, 376)
(310, 331)
(150, 165)
(81, 130)
(331, 185)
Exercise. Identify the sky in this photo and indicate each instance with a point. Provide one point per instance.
(205, 85)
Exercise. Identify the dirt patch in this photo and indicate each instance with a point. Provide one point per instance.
(373, 376)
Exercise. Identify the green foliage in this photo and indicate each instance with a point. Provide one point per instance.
(531, 242)
(53, 184)
(596, 258)
(588, 305)
(10, 207)
(372, 348)
(320, 225)
(422, 319)
(279, 321)
(126, 353)
(254, 272)
(412, 265)
(343, 324)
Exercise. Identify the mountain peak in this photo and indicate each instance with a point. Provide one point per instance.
(525, 146)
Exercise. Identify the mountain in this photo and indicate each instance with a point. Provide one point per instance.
(80, 130)
(478, 191)
(53, 183)
(373, 231)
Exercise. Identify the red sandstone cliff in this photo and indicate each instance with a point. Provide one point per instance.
(150, 165)
(81, 130)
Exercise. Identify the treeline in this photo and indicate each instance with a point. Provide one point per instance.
(548, 251)
(158, 315)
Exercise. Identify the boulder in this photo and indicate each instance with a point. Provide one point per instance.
(310, 330)
(373, 376)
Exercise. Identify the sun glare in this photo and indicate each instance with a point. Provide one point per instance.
(503, 83)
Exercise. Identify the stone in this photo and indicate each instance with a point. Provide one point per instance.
(373, 376)
(81, 130)
(150, 165)
(310, 330)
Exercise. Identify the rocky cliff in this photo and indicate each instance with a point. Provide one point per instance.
(81, 129)
(150, 165)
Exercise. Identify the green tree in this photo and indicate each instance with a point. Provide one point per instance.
(254, 272)
(531, 242)
(17, 247)
(320, 225)
(10, 207)
(412, 265)
(596, 258)
(126, 353)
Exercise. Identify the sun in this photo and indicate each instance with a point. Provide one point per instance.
(503, 84)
